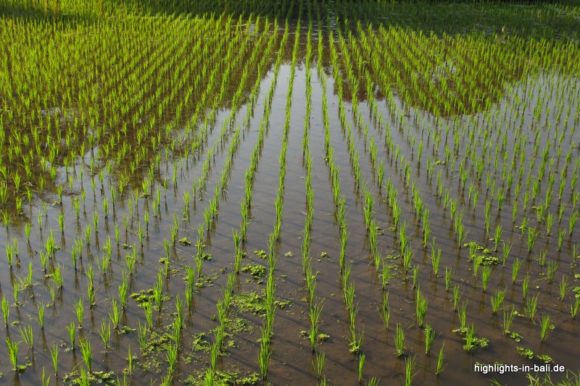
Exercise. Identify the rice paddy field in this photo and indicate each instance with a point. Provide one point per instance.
(289, 193)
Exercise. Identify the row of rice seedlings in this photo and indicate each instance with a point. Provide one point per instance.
(348, 289)
(355, 335)
(239, 236)
(421, 302)
(224, 305)
(267, 329)
(314, 307)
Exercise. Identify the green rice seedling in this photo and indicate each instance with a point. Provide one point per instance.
(16, 294)
(435, 260)
(563, 288)
(561, 238)
(497, 236)
(114, 315)
(264, 357)
(497, 301)
(361, 364)
(80, 312)
(574, 308)
(71, 330)
(87, 353)
(409, 370)
(506, 252)
(148, 310)
(531, 307)
(12, 348)
(421, 304)
(485, 274)
(40, 315)
(542, 258)
(105, 334)
(399, 340)
(142, 336)
(385, 312)
(429, 338)
(54, 352)
(314, 316)
(551, 269)
(462, 315)
(130, 359)
(319, 364)
(5, 311)
(532, 237)
(525, 286)
(44, 379)
(123, 292)
(27, 336)
(546, 326)
(456, 297)
(172, 355)
(470, 343)
(440, 360)
(515, 270)
(385, 275)
(448, 274)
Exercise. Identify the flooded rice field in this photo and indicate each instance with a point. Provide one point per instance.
(290, 194)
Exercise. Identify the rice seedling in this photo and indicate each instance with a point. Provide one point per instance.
(485, 275)
(574, 308)
(105, 334)
(563, 287)
(546, 326)
(448, 274)
(440, 360)
(27, 337)
(40, 315)
(12, 348)
(429, 334)
(421, 305)
(409, 370)
(72, 333)
(515, 270)
(86, 353)
(44, 379)
(531, 307)
(497, 301)
(54, 354)
(361, 363)
(399, 340)
(319, 363)
(525, 286)
(5, 312)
